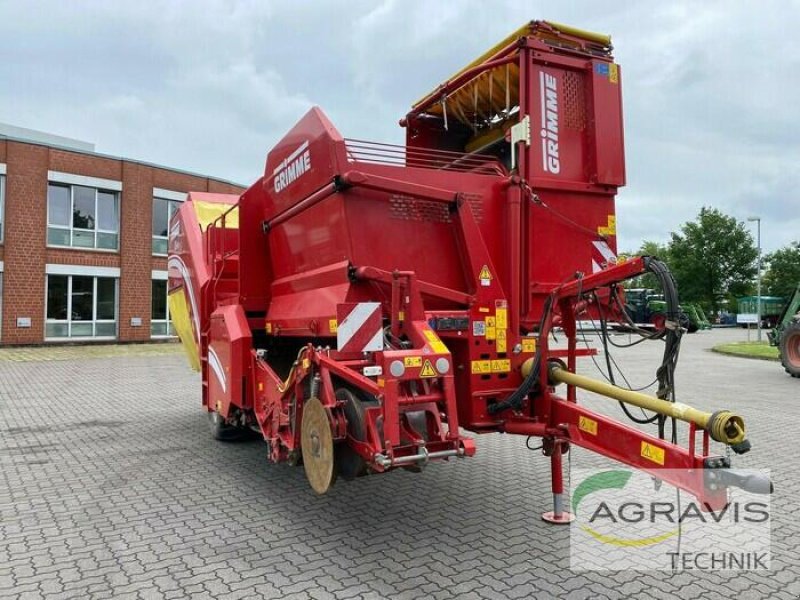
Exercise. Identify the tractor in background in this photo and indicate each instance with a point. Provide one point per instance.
(786, 335)
(646, 307)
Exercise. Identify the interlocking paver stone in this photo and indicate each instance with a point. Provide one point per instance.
(110, 487)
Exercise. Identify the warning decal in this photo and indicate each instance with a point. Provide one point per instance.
(427, 370)
(502, 341)
(653, 453)
(588, 425)
(485, 276)
(434, 342)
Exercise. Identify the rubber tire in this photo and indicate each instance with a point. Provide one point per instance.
(790, 349)
(349, 462)
(223, 432)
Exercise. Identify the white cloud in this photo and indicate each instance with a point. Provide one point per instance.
(709, 89)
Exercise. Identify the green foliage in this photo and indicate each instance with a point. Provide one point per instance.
(712, 259)
(649, 280)
(783, 272)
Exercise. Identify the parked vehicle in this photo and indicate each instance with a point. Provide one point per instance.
(771, 308)
(786, 335)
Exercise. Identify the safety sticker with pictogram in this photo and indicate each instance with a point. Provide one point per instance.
(485, 276)
(427, 370)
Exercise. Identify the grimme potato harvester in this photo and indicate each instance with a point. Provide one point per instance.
(364, 305)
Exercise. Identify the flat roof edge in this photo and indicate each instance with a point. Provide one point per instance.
(119, 158)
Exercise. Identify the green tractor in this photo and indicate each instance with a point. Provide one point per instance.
(646, 306)
(697, 317)
(786, 335)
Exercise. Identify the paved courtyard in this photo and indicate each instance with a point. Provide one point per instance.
(111, 487)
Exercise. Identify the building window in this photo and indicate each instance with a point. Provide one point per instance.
(81, 306)
(160, 322)
(82, 217)
(2, 204)
(163, 210)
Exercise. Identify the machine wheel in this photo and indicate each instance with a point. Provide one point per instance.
(222, 431)
(316, 441)
(349, 463)
(790, 349)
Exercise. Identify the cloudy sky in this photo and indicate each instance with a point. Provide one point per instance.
(711, 89)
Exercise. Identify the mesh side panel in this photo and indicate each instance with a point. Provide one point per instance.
(574, 101)
(408, 208)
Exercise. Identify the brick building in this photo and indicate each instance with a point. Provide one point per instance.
(83, 240)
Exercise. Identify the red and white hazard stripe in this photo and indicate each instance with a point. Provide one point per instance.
(360, 327)
(602, 256)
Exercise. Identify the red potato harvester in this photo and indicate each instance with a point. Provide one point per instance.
(363, 304)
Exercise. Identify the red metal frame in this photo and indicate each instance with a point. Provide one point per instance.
(462, 254)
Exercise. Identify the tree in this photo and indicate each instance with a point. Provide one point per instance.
(783, 272)
(713, 258)
(648, 280)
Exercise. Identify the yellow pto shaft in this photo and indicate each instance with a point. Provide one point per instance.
(723, 426)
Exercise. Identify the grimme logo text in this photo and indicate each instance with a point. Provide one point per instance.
(297, 164)
(548, 88)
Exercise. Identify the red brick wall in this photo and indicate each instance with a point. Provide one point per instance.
(24, 242)
(25, 253)
(2, 160)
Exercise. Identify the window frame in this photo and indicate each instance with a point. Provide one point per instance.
(171, 201)
(171, 333)
(69, 321)
(72, 229)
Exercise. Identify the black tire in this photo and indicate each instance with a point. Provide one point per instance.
(789, 348)
(222, 431)
(348, 461)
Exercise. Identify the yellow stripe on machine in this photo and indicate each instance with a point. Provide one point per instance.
(181, 320)
(208, 212)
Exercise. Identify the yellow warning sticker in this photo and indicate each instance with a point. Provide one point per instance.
(485, 276)
(501, 366)
(653, 453)
(306, 363)
(481, 367)
(613, 73)
(483, 309)
(381, 382)
(434, 342)
(502, 345)
(610, 228)
(491, 332)
(268, 328)
(412, 361)
(528, 345)
(588, 425)
(401, 315)
(427, 370)
(333, 325)
(502, 318)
